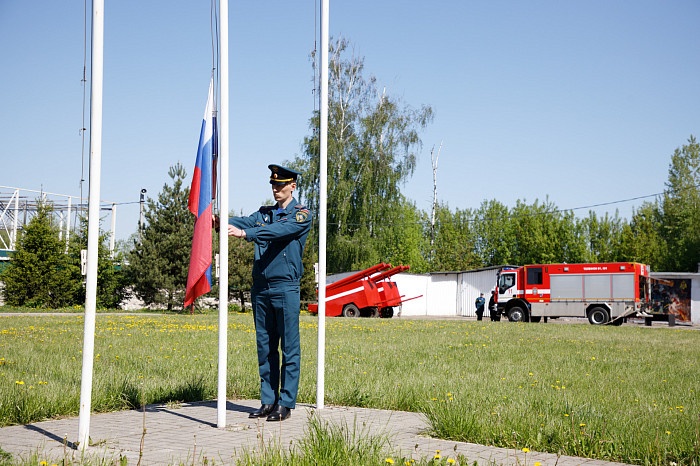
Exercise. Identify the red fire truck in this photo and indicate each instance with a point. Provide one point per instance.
(604, 293)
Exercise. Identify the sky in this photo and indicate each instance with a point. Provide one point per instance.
(578, 102)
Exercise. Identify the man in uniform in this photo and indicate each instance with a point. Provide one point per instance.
(479, 303)
(279, 233)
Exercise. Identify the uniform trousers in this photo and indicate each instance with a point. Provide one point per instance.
(276, 314)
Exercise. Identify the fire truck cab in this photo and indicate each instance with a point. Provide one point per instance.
(604, 293)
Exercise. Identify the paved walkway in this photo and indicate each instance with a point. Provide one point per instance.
(183, 433)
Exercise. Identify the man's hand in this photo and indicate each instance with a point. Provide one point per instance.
(237, 232)
(215, 224)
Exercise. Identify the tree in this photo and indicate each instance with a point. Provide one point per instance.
(641, 239)
(402, 240)
(455, 245)
(681, 210)
(241, 254)
(602, 237)
(372, 143)
(534, 233)
(111, 283)
(38, 274)
(494, 235)
(534, 230)
(159, 261)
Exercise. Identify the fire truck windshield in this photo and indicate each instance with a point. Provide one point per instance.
(506, 281)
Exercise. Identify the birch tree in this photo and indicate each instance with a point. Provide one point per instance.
(373, 141)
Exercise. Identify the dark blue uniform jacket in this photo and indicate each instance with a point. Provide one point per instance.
(279, 236)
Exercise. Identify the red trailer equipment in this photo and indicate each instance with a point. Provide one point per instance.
(367, 293)
(388, 291)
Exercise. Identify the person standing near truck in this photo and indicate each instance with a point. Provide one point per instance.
(492, 307)
(279, 233)
(479, 303)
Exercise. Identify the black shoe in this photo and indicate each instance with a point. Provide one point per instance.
(263, 411)
(280, 413)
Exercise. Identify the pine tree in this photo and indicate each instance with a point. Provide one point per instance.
(159, 261)
(38, 274)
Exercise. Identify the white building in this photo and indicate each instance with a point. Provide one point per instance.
(441, 293)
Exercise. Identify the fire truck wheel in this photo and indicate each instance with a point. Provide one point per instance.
(374, 312)
(598, 316)
(387, 312)
(517, 314)
(350, 310)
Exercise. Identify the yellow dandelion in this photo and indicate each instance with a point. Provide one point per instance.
(43, 463)
(526, 450)
(19, 382)
(582, 425)
(538, 464)
(437, 457)
(389, 460)
(668, 432)
(451, 461)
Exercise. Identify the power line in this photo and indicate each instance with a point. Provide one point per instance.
(549, 212)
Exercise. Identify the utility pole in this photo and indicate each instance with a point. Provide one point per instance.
(434, 160)
(141, 219)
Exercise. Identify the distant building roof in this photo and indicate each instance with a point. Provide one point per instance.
(483, 269)
(675, 274)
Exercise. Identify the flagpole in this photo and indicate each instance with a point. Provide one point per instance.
(323, 217)
(93, 221)
(223, 213)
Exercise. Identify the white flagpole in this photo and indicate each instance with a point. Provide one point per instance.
(223, 203)
(323, 218)
(93, 221)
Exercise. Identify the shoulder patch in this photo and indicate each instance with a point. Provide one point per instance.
(302, 215)
(300, 206)
(266, 208)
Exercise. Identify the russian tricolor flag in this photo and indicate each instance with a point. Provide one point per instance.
(200, 204)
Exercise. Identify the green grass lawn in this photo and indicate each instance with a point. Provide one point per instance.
(618, 393)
